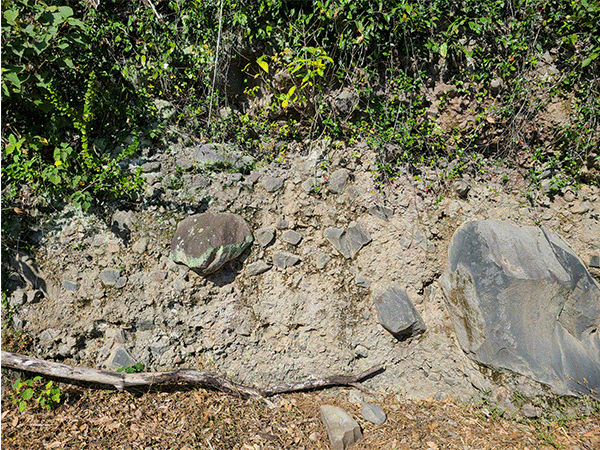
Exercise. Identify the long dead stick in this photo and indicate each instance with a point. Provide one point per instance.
(208, 380)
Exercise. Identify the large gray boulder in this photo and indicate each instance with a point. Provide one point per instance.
(521, 300)
(205, 242)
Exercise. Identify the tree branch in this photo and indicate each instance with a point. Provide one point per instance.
(207, 380)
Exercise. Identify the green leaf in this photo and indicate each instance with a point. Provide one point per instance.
(11, 16)
(40, 46)
(27, 394)
(22, 405)
(76, 23)
(65, 11)
(263, 65)
(69, 63)
(13, 78)
(444, 50)
(54, 178)
(587, 61)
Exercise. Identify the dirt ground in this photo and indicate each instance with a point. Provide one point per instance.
(188, 419)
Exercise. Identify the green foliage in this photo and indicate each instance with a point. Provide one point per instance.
(45, 395)
(55, 100)
(132, 368)
(83, 88)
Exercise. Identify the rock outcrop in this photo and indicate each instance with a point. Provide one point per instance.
(521, 300)
(305, 303)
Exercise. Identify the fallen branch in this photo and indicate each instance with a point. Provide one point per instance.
(207, 380)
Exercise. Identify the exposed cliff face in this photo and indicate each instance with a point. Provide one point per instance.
(301, 301)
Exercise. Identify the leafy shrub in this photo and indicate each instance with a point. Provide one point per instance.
(48, 395)
(82, 88)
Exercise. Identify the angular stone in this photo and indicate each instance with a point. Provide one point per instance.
(530, 411)
(265, 236)
(373, 413)
(342, 429)
(291, 237)
(271, 184)
(285, 259)
(462, 188)
(349, 241)
(383, 212)
(397, 314)
(322, 260)
(120, 357)
(521, 300)
(346, 101)
(158, 275)
(338, 181)
(122, 223)
(205, 242)
(121, 282)
(140, 246)
(109, 277)
(71, 286)
(184, 164)
(361, 351)
(310, 185)
(151, 166)
(256, 268)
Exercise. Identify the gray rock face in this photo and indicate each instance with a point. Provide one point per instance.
(349, 241)
(71, 286)
(342, 429)
(397, 314)
(205, 242)
(520, 299)
(120, 357)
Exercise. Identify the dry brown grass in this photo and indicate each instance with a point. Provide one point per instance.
(199, 419)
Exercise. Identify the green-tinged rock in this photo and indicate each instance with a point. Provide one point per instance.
(205, 242)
